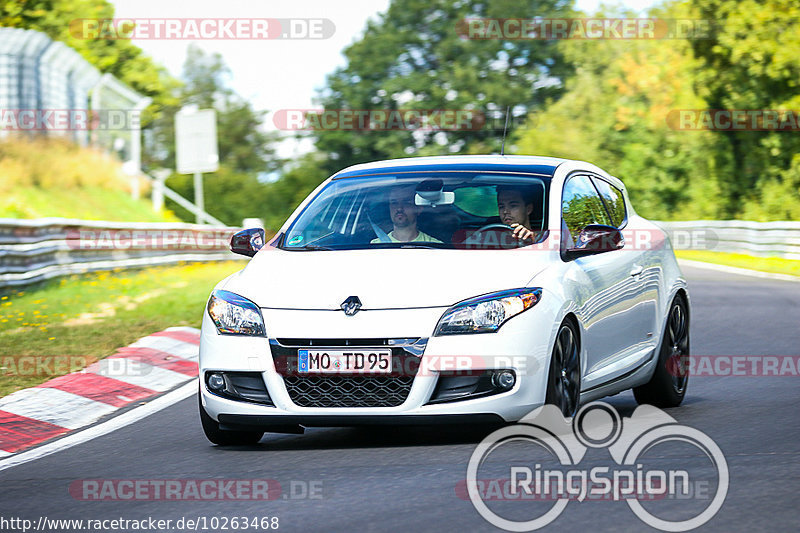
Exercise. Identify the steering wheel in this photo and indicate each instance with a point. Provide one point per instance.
(495, 225)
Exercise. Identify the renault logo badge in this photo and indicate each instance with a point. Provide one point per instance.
(351, 306)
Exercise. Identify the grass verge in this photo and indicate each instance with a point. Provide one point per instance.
(85, 318)
(87, 203)
(774, 265)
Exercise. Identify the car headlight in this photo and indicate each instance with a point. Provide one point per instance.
(485, 314)
(235, 315)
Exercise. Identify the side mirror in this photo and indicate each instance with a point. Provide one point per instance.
(596, 239)
(248, 242)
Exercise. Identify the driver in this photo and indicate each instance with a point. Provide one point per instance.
(515, 211)
(404, 211)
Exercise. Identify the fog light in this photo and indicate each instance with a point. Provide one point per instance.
(216, 381)
(504, 379)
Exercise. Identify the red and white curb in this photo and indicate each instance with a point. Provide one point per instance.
(145, 369)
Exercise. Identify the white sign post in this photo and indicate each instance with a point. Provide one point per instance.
(196, 148)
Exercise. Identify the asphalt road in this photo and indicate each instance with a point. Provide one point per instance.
(405, 479)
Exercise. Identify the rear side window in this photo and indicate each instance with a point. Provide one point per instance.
(581, 206)
(612, 197)
(479, 201)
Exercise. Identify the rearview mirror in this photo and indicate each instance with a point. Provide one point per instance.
(248, 242)
(430, 192)
(596, 239)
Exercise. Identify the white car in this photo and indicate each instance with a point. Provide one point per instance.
(437, 290)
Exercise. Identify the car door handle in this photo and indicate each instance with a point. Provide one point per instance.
(636, 270)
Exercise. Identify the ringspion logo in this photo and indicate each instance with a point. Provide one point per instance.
(541, 458)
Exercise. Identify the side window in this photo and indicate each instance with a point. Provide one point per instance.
(613, 199)
(581, 206)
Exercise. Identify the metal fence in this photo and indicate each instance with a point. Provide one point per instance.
(778, 239)
(50, 79)
(36, 250)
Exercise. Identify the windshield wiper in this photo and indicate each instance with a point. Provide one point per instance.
(414, 245)
(311, 247)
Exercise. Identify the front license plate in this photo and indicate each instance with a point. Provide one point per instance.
(345, 361)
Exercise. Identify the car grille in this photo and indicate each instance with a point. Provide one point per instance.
(341, 391)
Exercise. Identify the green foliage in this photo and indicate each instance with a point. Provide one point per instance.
(284, 195)
(751, 62)
(243, 146)
(91, 315)
(230, 196)
(614, 113)
(51, 177)
(235, 191)
(413, 57)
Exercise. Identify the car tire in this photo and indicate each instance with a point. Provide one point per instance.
(667, 387)
(223, 437)
(564, 376)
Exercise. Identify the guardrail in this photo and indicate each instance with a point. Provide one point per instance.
(779, 239)
(35, 250)
(40, 249)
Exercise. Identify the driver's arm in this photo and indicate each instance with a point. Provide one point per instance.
(522, 233)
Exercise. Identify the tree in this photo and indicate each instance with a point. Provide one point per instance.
(285, 194)
(413, 57)
(750, 61)
(613, 114)
(243, 146)
(615, 109)
(245, 151)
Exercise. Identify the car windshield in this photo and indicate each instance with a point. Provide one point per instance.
(456, 210)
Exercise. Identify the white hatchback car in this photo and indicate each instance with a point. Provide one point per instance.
(434, 290)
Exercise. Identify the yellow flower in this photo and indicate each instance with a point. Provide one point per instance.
(51, 339)
(4, 298)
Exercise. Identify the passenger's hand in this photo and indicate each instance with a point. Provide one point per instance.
(521, 232)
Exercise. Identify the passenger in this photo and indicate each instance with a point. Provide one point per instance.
(404, 212)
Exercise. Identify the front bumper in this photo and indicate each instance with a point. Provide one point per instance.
(523, 345)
